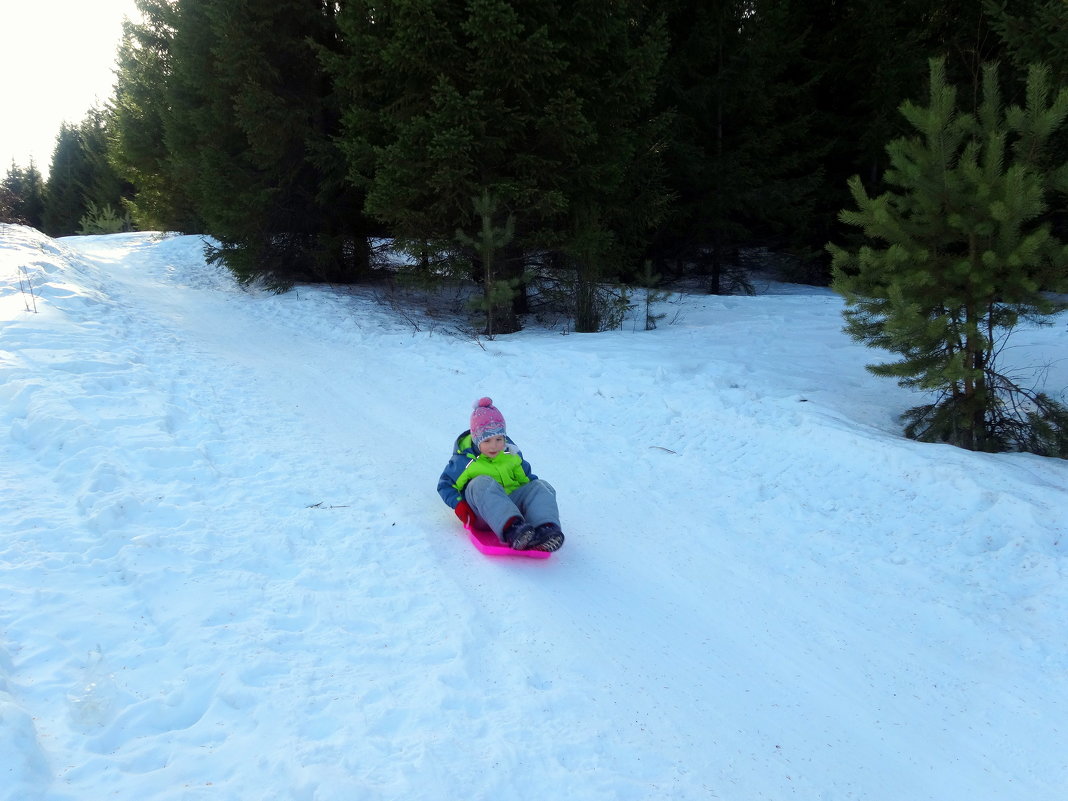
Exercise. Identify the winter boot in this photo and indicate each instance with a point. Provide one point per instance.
(519, 535)
(547, 537)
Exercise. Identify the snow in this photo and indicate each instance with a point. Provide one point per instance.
(226, 573)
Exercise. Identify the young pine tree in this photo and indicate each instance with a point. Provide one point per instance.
(959, 251)
(497, 292)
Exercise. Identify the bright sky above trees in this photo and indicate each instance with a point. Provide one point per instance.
(56, 61)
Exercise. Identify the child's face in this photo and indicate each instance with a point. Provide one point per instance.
(492, 446)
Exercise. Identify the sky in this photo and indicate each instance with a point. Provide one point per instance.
(56, 62)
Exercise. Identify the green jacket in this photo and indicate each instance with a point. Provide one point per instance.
(507, 468)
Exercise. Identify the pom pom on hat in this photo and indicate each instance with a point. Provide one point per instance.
(486, 421)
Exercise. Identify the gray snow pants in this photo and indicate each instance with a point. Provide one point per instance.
(534, 503)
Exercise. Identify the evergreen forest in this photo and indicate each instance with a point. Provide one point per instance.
(549, 149)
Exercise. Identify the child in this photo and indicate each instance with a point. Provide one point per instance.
(489, 484)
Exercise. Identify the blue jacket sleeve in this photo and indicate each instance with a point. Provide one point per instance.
(447, 483)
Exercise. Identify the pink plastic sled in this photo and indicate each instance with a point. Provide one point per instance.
(487, 542)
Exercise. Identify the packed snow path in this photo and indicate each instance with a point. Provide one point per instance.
(226, 573)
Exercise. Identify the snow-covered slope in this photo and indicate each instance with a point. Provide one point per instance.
(225, 573)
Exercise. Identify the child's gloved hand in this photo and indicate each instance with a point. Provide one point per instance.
(463, 511)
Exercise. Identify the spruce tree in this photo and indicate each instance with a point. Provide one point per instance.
(1036, 32)
(1033, 32)
(743, 165)
(81, 179)
(33, 196)
(616, 189)
(240, 119)
(68, 175)
(442, 102)
(144, 107)
(543, 105)
(268, 177)
(23, 189)
(103, 185)
(958, 252)
(8, 201)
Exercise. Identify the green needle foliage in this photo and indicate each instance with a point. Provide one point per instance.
(497, 292)
(959, 250)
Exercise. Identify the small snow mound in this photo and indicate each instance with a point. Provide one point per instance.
(37, 273)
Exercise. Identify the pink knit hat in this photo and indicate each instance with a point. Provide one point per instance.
(486, 421)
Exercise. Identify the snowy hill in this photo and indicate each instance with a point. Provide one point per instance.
(225, 573)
